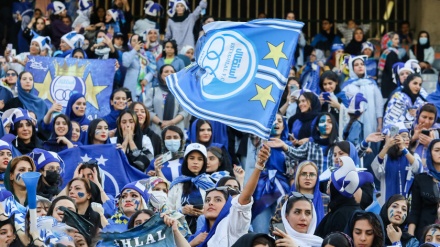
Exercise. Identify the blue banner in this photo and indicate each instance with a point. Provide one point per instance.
(239, 74)
(153, 233)
(55, 79)
(113, 163)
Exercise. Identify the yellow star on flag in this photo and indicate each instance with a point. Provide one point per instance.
(263, 95)
(276, 53)
(44, 88)
(92, 91)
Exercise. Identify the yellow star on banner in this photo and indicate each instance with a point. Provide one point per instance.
(276, 53)
(92, 91)
(263, 95)
(44, 88)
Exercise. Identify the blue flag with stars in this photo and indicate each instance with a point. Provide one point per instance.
(240, 73)
(115, 169)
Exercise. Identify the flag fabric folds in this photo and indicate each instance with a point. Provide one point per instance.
(114, 167)
(239, 74)
(55, 79)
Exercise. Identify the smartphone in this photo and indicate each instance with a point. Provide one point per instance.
(167, 156)
(198, 206)
(394, 130)
(425, 132)
(9, 47)
(326, 96)
(279, 226)
(13, 53)
(293, 88)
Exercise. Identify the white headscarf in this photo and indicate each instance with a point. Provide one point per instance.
(302, 239)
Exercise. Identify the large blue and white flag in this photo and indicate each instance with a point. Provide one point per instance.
(113, 163)
(152, 233)
(55, 79)
(239, 74)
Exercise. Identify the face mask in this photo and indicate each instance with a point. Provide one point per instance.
(52, 177)
(158, 199)
(84, 47)
(99, 40)
(118, 46)
(423, 40)
(322, 124)
(172, 145)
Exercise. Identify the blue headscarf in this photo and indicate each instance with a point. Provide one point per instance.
(114, 114)
(31, 101)
(431, 169)
(434, 97)
(69, 112)
(205, 228)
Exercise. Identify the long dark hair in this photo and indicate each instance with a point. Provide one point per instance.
(56, 200)
(178, 131)
(375, 223)
(147, 113)
(199, 124)
(332, 76)
(333, 136)
(92, 128)
(173, 43)
(162, 82)
(138, 135)
(69, 125)
(185, 171)
(133, 217)
(285, 96)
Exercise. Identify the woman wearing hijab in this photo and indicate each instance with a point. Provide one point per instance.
(390, 56)
(355, 45)
(394, 217)
(61, 136)
(402, 107)
(24, 130)
(76, 110)
(27, 97)
(164, 109)
(118, 102)
(143, 117)
(424, 203)
(422, 51)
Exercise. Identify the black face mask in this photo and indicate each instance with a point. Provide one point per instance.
(52, 177)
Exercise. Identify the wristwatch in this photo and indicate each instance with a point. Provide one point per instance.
(160, 123)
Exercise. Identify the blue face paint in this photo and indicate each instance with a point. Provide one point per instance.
(322, 125)
(136, 204)
(391, 213)
(18, 177)
(404, 217)
(81, 194)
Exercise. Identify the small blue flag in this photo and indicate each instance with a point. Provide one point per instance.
(239, 74)
(113, 163)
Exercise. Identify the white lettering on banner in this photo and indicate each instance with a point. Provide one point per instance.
(141, 241)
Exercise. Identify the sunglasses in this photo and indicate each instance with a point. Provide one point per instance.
(11, 74)
(297, 195)
(230, 191)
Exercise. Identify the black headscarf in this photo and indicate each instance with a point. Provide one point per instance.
(407, 90)
(138, 135)
(419, 50)
(384, 215)
(306, 117)
(248, 239)
(168, 111)
(355, 47)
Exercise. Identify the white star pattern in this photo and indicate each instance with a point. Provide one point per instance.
(101, 160)
(85, 158)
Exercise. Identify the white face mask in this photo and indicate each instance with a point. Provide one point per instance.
(423, 40)
(172, 145)
(158, 199)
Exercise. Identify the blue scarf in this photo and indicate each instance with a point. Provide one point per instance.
(202, 181)
(223, 213)
(395, 177)
(31, 101)
(64, 54)
(310, 78)
(69, 112)
(112, 117)
(345, 100)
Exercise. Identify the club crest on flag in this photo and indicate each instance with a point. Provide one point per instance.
(240, 73)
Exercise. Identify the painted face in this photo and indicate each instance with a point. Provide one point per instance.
(5, 157)
(213, 163)
(61, 127)
(169, 49)
(152, 35)
(168, 70)
(78, 192)
(24, 131)
(34, 49)
(180, 9)
(140, 113)
(363, 234)
(119, 101)
(415, 85)
(433, 236)
(403, 75)
(435, 153)
(338, 153)
(161, 187)
(76, 131)
(214, 202)
(397, 212)
(141, 219)
(21, 167)
(325, 125)
(307, 178)
(205, 133)
(359, 67)
(7, 235)
(279, 125)
(41, 209)
(303, 104)
(79, 107)
(101, 133)
(195, 162)
(27, 81)
(300, 216)
(64, 46)
(127, 121)
(395, 40)
(58, 214)
(358, 35)
(130, 201)
(329, 85)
